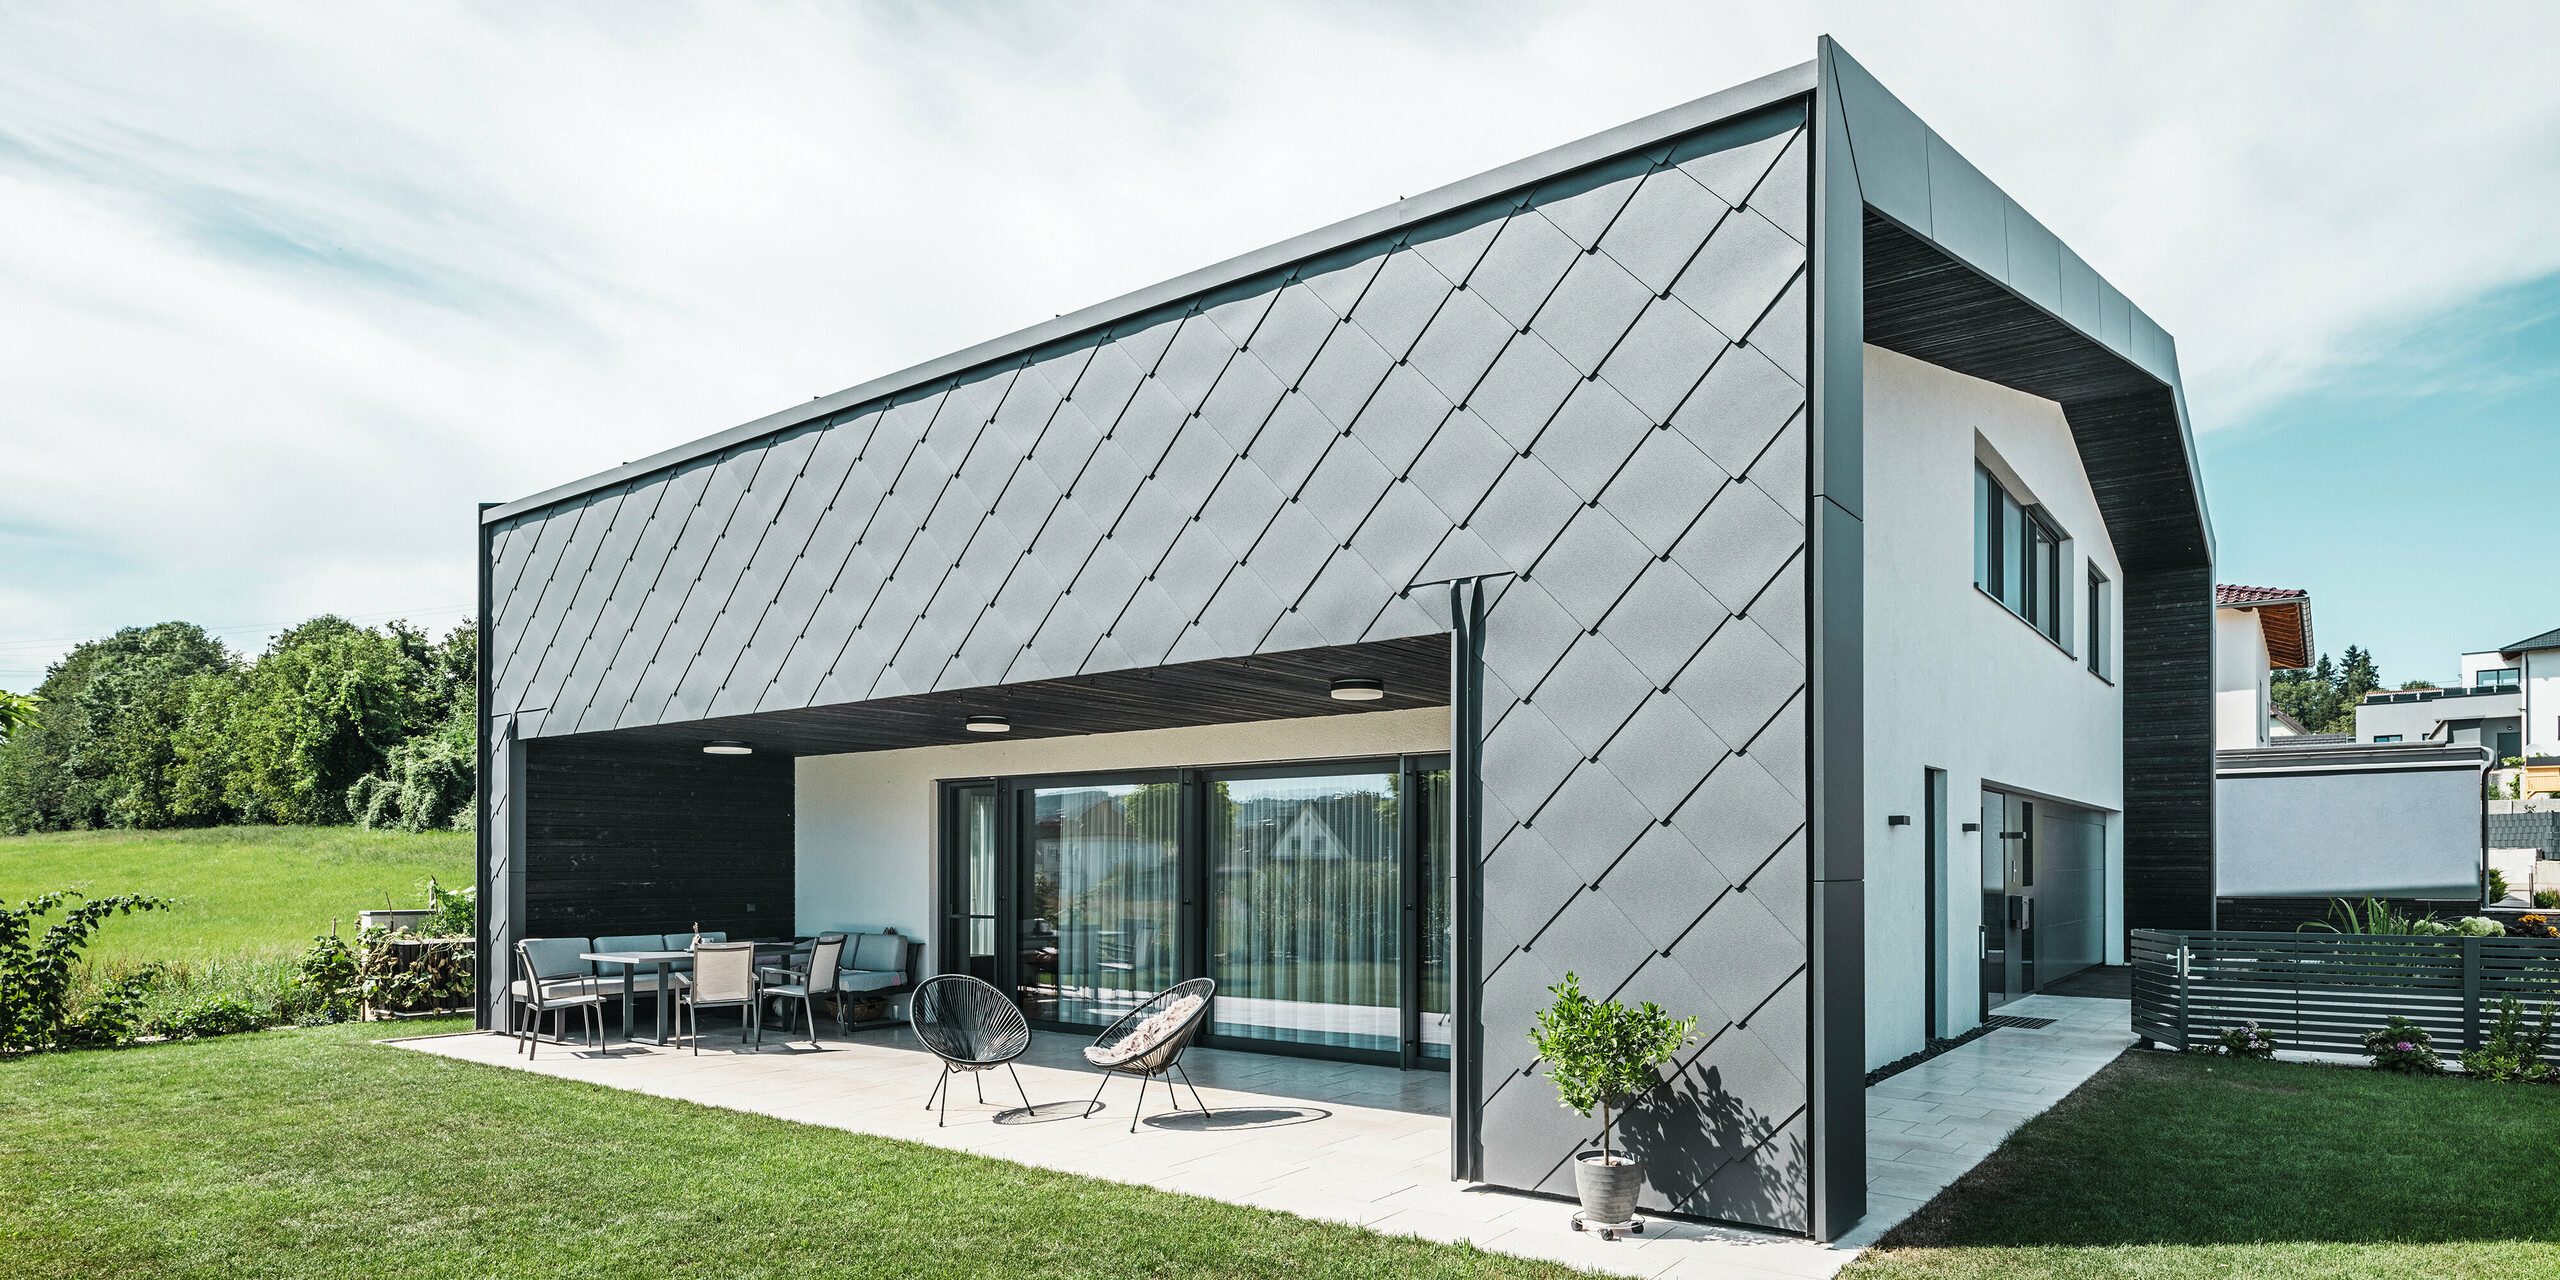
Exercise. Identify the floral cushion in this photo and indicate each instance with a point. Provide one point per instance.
(1146, 1035)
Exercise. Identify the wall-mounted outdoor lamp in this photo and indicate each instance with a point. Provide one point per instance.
(1897, 819)
(727, 747)
(1359, 689)
(990, 724)
(1973, 826)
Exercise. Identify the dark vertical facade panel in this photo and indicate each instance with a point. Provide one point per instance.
(1836, 1016)
(2168, 748)
(623, 841)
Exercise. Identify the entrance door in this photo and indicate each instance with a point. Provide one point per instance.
(2043, 894)
(2008, 899)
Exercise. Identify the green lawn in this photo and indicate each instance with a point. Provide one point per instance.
(251, 892)
(317, 1153)
(2172, 1166)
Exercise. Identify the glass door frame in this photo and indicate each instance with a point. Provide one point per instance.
(1014, 819)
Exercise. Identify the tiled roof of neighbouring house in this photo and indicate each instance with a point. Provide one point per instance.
(2547, 640)
(2225, 593)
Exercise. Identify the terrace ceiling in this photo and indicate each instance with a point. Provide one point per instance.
(1274, 686)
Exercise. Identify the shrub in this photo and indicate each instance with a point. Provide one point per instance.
(2529, 926)
(457, 911)
(215, 1016)
(35, 976)
(2246, 1041)
(2405, 1047)
(2479, 927)
(327, 983)
(2497, 885)
(2373, 916)
(1602, 1054)
(2546, 898)
(2509, 1052)
(112, 1015)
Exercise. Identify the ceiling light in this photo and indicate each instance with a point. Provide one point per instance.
(1359, 689)
(727, 747)
(990, 724)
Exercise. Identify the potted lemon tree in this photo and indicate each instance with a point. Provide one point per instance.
(1605, 1055)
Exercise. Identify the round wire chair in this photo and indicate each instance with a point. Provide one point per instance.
(973, 1028)
(1110, 1050)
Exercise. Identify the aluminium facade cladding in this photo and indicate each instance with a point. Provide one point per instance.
(1612, 390)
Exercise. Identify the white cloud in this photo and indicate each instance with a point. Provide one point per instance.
(290, 288)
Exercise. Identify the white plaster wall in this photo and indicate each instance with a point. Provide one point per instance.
(2475, 663)
(865, 822)
(2242, 680)
(1955, 681)
(2541, 679)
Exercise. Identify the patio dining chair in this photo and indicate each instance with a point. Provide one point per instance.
(973, 1029)
(1147, 1042)
(724, 977)
(538, 993)
(795, 983)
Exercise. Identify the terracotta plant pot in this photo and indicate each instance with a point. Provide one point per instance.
(1608, 1191)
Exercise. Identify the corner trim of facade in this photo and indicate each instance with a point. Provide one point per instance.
(1836, 585)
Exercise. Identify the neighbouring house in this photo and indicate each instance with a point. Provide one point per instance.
(2256, 631)
(2488, 714)
(1741, 558)
(2393, 810)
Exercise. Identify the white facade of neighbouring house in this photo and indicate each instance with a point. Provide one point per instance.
(2257, 631)
(1960, 684)
(2241, 681)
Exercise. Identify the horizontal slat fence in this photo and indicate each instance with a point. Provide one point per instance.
(2322, 991)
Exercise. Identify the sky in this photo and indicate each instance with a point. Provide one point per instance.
(285, 291)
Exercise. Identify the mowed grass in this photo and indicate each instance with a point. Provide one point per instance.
(318, 1153)
(250, 892)
(2176, 1166)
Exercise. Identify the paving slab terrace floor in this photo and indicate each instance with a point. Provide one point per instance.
(1350, 1143)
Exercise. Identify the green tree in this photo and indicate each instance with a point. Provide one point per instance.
(1604, 1054)
(16, 709)
(2357, 676)
(321, 708)
(2323, 697)
(98, 750)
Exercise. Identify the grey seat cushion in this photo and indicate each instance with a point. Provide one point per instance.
(872, 962)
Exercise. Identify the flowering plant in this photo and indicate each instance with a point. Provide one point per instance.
(2405, 1047)
(2247, 1041)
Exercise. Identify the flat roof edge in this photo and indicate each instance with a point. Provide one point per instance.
(1726, 104)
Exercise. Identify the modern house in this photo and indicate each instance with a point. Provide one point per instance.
(1740, 558)
(2257, 631)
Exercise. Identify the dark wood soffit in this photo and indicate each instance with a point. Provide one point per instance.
(1928, 306)
(1275, 686)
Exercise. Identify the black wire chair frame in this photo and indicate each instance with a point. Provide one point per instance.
(973, 1029)
(1164, 1057)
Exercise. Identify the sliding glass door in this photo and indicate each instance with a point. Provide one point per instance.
(1306, 916)
(1317, 896)
(1099, 899)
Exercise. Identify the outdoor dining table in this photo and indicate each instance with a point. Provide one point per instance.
(629, 960)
